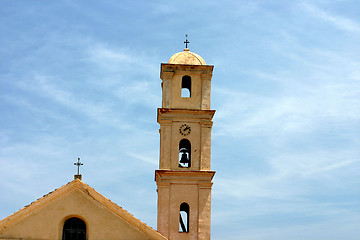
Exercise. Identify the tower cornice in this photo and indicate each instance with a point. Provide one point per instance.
(167, 69)
(184, 176)
(166, 114)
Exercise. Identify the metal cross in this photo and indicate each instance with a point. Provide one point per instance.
(186, 41)
(78, 164)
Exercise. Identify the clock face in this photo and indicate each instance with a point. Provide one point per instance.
(184, 129)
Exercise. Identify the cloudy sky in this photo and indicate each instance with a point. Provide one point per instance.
(80, 78)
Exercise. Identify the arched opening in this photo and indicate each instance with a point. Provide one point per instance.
(74, 229)
(184, 217)
(184, 153)
(186, 86)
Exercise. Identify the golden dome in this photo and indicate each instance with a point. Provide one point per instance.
(187, 57)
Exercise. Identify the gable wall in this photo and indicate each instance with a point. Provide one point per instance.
(46, 222)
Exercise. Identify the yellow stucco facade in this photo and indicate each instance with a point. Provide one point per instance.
(184, 177)
(44, 218)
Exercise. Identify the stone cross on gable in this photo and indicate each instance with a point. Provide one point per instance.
(78, 164)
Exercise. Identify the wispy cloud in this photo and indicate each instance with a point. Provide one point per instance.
(334, 227)
(337, 21)
(144, 90)
(47, 87)
(145, 157)
(120, 59)
(288, 174)
(310, 164)
(286, 88)
(324, 89)
(110, 58)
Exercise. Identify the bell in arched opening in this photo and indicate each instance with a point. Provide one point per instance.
(184, 153)
(184, 160)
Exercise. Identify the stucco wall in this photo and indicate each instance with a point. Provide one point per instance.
(46, 222)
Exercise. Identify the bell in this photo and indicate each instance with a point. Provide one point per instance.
(184, 159)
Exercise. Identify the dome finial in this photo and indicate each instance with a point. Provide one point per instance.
(186, 42)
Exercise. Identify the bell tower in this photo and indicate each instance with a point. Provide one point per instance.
(184, 178)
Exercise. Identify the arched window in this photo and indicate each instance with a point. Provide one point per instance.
(74, 229)
(185, 153)
(186, 86)
(184, 217)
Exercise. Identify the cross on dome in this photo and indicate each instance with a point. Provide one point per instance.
(186, 57)
(186, 41)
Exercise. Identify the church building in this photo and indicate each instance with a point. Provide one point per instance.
(76, 211)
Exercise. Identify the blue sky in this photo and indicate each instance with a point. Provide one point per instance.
(81, 79)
